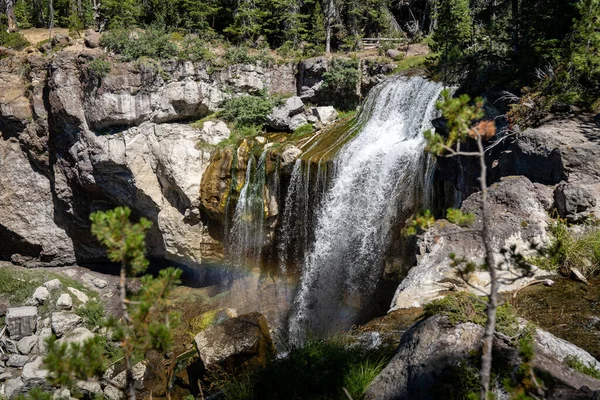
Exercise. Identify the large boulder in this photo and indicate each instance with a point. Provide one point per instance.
(40, 295)
(573, 202)
(21, 321)
(63, 322)
(281, 116)
(92, 38)
(327, 115)
(64, 302)
(77, 335)
(425, 351)
(431, 352)
(518, 218)
(26, 345)
(27, 225)
(562, 150)
(214, 132)
(236, 343)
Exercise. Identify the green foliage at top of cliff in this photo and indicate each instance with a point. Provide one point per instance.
(245, 111)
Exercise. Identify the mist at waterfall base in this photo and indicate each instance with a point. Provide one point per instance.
(342, 212)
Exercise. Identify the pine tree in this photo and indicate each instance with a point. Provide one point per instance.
(199, 16)
(453, 26)
(248, 20)
(586, 46)
(145, 322)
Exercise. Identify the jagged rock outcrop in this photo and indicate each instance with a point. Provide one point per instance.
(433, 351)
(85, 143)
(518, 217)
(236, 343)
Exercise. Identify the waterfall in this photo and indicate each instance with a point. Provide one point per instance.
(377, 178)
(247, 235)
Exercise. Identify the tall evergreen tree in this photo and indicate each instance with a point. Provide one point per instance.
(199, 16)
(586, 44)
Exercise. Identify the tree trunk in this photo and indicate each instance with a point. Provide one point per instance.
(12, 19)
(490, 324)
(328, 16)
(51, 18)
(129, 382)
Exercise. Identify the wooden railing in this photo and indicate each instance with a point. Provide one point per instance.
(373, 43)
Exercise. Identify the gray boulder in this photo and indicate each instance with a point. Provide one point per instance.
(13, 387)
(281, 116)
(139, 370)
(79, 295)
(34, 370)
(92, 39)
(432, 350)
(88, 388)
(77, 335)
(40, 295)
(426, 350)
(236, 343)
(327, 115)
(394, 54)
(44, 334)
(64, 302)
(573, 202)
(27, 344)
(93, 281)
(297, 121)
(214, 132)
(289, 156)
(60, 40)
(63, 322)
(21, 321)
(17, 360)
(53, 285)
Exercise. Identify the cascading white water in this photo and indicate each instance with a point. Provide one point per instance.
(246, 237)
(377, 177)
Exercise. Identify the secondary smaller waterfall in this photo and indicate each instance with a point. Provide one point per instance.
(377, 178)
(246, 237)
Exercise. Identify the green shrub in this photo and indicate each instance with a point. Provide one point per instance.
(241, 55)
(12, 40)
(153, 43)
(194, 49)
(92, 313)
(245, 111)
(408, 63)
(99, 68)
(342, 79)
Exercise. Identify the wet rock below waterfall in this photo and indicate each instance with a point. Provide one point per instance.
(236, 344)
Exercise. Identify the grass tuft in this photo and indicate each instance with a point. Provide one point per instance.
(578, 365)
(466, 307)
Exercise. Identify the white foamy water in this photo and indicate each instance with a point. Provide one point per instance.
(377, 177)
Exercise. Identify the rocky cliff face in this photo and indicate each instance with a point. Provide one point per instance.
(546, 172)
(73, 143)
